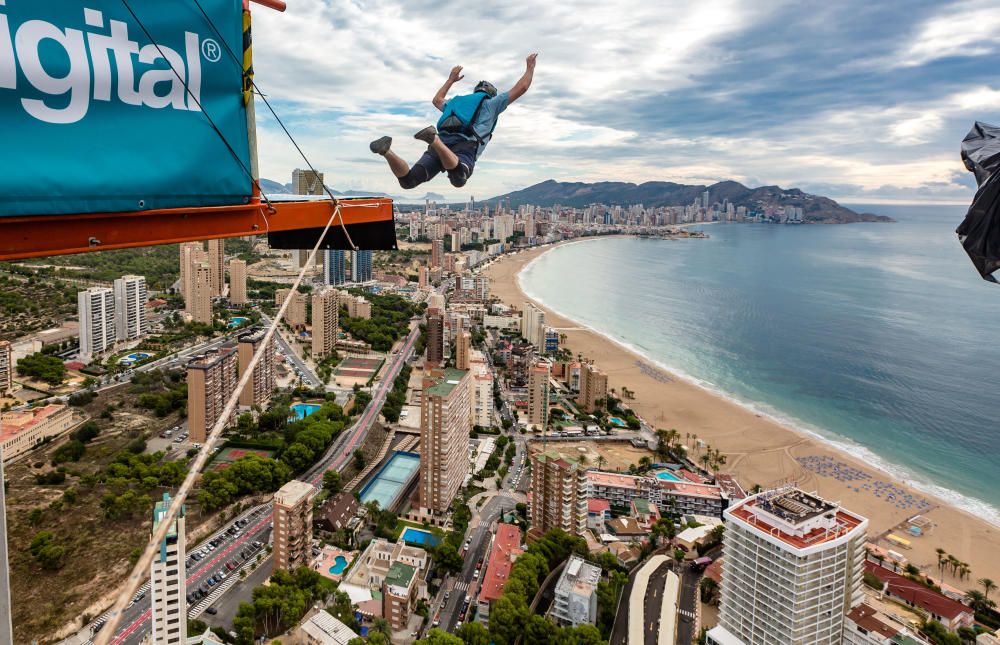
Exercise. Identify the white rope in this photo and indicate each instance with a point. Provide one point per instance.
(141, 568)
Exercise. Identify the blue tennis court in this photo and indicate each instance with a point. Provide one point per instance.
(393, 477)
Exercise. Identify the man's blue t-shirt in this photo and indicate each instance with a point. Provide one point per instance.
(489, 112)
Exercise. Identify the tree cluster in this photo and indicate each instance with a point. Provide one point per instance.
(282, 603)
(396, 398)
(42, 367)
(390, 321)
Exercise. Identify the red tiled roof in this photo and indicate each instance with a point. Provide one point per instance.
(506, 548)
(917, 594)
(598, 506)
(866, 617)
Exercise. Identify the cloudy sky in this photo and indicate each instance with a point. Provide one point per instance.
(858, 100)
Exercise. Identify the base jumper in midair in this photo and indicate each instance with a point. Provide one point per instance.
(465, 127)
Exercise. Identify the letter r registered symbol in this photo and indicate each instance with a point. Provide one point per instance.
(210, 50)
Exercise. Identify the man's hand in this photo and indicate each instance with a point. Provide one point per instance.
(456, 74)
(530, 61)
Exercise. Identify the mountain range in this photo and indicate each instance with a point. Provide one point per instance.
(815, 209)
(271, 187)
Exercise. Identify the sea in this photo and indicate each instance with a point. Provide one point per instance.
(879, 338)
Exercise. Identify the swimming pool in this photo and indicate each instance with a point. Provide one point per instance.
(302, 410)
(617, 421)
(236, 321)
(419, 537)
(340, 563)
(391, 479)
(669, 476)
(134, 357)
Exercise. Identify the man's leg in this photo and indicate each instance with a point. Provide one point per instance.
(382, 146)
(448, 158)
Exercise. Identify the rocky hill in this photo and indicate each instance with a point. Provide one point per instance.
(816, 209)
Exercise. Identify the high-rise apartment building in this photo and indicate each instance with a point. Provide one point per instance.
(217, 267)
(261, 385)
(593, 387)
(325, 322)
(558, 494)
(463, 347)
(190, 253)
(538, 394)
(237, 282)
(295, 315)
(437, 253)
(444, 436)
(6, 626)
(307, 182)
(130, 307)
(422, 277)
(435, 330)
(793, 567)
(201, 293)
(361, 266)
(482, 390)
(334, 263)
(211, 381)
(293, 525)
(167, 586)
(6, 368)
(96, 308)
(533, 324)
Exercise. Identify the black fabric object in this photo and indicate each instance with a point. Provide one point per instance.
(373, 236)
(979, 232)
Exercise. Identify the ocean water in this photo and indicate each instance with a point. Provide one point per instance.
(880, 338)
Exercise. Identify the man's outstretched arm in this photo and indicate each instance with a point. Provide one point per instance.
(523, 83)
(454, 77)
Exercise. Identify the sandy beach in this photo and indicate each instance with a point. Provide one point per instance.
(761, 451)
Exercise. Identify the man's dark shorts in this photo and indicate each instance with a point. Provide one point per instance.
(429, 165)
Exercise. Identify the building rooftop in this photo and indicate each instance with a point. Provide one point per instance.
(730, 486)
(293, 493)
(160, 511)
(21, 420)
(399, 575)
(506, 548)
(556, 456)
(326, 629)
(598, 506)
(799, 519)
(917, 594)
(601, 478)
(867, 618)
(579, 577)
(691, 489)
(641, 505)
(442, 382)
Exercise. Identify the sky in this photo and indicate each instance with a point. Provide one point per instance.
(857, 100)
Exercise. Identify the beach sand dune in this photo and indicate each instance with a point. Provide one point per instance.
(761, 451)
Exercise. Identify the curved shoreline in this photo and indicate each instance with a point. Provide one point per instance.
(844, 444)
(762, 448)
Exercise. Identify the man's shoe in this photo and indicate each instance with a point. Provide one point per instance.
(427, 134)
(380, 146)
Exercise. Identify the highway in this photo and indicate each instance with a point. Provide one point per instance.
(308, 377)
(343, 446)
(465, 585)
(135, 623)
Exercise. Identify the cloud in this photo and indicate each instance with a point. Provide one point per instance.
(963, 29)
(753, 90)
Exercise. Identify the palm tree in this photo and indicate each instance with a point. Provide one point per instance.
(941, 553)
(600, 461)
(978, 601)
(953, 563)
(988, 586)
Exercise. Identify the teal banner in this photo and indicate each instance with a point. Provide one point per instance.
(103, 111)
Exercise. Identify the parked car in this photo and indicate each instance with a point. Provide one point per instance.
(212, 610)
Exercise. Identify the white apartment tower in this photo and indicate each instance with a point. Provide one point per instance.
(792, 569)
(96, 307)
(168, 588)
(533, 324)
(130, 307)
